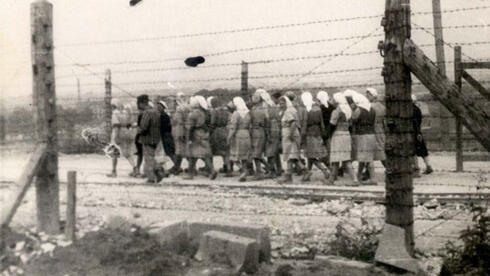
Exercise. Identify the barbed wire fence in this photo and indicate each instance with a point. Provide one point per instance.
(76, 113)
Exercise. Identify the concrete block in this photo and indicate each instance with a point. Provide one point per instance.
(259, 233)
(239, 252)
(392, 251)
(173, 234)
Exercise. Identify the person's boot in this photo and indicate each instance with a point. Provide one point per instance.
(135, 172)
(286, 178)
(112, 174)
(259, 175)
(243, 175)
(306, 176)
(428, 170)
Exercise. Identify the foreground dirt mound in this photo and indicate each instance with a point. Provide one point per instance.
(111, 252)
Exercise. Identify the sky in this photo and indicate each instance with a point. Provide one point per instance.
(139, 44)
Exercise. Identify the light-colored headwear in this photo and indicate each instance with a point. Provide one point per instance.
(208, 100)
(372, 91)
(307, 99)
(150, 103)
(289, 103)
(163, 104)
(201, 101)
(180, 95)
(240, 105)
(323, 97)
(267, 98)
(349, 93)
(414, 98)
(361, 101)
(343, 105)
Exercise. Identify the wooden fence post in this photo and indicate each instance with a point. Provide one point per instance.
(244, 84)
(108, 105)
(71, 206)
(459, 126)
(399, 137)
(44, 100)
(444, 114)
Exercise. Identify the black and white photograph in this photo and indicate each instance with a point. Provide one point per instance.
(244, 137)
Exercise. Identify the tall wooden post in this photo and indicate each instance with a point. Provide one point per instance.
(244, 86)
(44, 100)
(459, 127)
(71, 206)
(399, 137)
(441, 64)
(107, 101)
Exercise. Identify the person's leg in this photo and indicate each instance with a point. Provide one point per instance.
(415, 167)
(320, 165)
(150, 163)
(114, 168)
(244, 169)
(191, 170)
(259, 175)
(350, 171)
(139, 160)
(308, 173)
(209, 164)
(360, 169)
(335, 169)
(279, 165)
(272, 165)
(287, 177)
(428, 167)
(177, 164)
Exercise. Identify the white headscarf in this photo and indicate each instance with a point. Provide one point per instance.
(267, 98)
(307, 99)
(193, 102)
(361, 101)
(349, 93)
(343, 105)
(414, 98)
(201, 101)
(372, 91)
(289, 104)
(323, 97)
(240, 105)
(208, 101)
(163, 104)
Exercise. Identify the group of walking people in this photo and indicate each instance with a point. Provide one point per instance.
(325, 132)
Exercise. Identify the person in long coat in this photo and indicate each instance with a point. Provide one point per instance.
(122, 134)
(363, 121)
(340, 141)
(198, 137)
(291, 139)
(420, 146)
(327, 108)
(178, 121)
(315, 150)
(239, 138)
(301, 111)
(273, 142)
(219, 132)
(166, 133)
(259, 132)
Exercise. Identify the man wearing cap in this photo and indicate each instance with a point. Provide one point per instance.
(149, 136)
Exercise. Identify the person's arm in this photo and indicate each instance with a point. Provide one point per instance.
(267, 125)
(232, 127)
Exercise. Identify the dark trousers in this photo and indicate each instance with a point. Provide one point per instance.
(150, 162)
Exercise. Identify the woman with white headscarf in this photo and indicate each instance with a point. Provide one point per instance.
(315, 150)
(259, 133)
(291, 139)
(273, 143)
(198, 137)
(239, 136)
(340, 141)
(363, 119)
(122, 134)
(218, 130)
(178, 120)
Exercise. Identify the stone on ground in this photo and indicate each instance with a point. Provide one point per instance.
(239, 252)
(391, 249)
(174, 234)
(260, 234)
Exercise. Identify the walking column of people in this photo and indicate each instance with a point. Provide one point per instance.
(328, 133)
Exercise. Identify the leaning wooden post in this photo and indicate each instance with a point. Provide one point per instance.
(71, 206)
(399, 137)
(107, 102)
(44, 100)
(244, 83)
(459, 127)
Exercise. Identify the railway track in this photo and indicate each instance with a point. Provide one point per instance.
(310, 192)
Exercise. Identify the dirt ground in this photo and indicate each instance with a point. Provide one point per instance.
(296, 225)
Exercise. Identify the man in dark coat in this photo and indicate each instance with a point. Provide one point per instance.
(149, 137)
(166, 133)
(420, 147)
